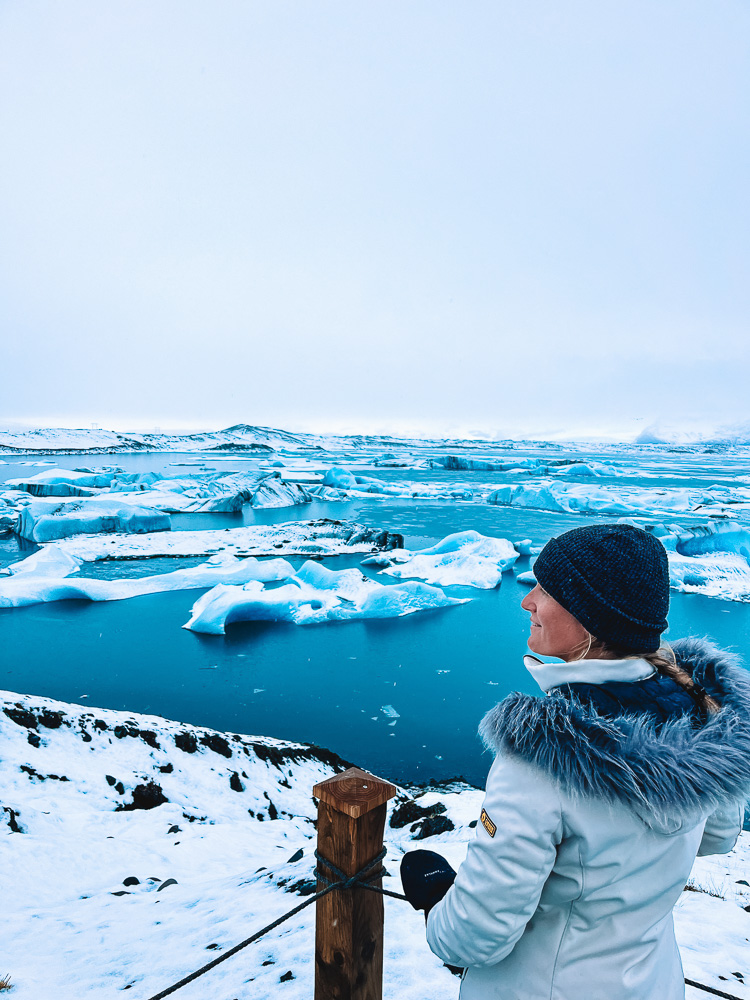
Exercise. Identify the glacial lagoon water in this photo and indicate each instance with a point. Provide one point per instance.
(402, 696)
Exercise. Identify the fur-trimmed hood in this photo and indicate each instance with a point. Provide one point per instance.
(672, 772)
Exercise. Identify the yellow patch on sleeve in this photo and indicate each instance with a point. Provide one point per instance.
(487, 823)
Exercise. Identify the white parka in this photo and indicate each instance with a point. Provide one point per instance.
(589, 830)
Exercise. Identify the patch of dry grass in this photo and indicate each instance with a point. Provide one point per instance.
(5, 984)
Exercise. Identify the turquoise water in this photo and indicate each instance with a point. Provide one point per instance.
(326, 684)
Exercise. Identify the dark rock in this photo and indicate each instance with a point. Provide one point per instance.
(286, 977)
(166, 768)
(432, 825)
(147, 796)
(122, 731)
(268, 961)
(100, 725)
(21, 716)
(235, 784)
(148, 736)
(120, 788)
(472, 824)
(212, 947)
(86, 737)
(174, 829)
(216, 743)
(121, 892)
(411, 811)
(51, 720)
(186, 742)
(131, 880)
(169, 881)
(12, 822)
(297, 856)
(34, 739)
(305, 887)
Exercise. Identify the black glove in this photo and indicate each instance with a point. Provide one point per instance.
(426, 877)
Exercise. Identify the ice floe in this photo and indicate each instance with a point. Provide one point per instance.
(581, 498)
(64, 483)
(49, 581)
(44, 521)
(210, 493)
(321, 537)
(314, 594)
(462, 559)
(530, 466)
(711, 559)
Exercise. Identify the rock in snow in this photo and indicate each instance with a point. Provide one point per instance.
(135, 849)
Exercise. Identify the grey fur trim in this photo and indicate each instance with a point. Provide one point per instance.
(678, 771)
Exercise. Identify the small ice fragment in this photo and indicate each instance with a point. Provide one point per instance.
(393, 723)
(443, 671)
(258, 690)
(438, 756)
(374, 718)
(390, 712)
(493, 683)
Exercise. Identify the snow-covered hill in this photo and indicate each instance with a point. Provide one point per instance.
(134, 850)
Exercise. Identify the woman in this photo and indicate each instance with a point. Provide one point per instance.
(602, 792)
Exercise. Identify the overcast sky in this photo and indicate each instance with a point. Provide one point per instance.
(485, 216)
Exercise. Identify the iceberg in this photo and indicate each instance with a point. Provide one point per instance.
(64, 483)
(463, 559)
(580, 498)
(315, 594)
(43, 521)
(210, 493)
(45, 581)
(321, 537)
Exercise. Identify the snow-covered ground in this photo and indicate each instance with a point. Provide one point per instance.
(134, 850)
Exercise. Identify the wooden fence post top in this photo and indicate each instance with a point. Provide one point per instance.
(354, 792)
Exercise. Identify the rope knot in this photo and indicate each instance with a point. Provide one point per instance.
(371, 872)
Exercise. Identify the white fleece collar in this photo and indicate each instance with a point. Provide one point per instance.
(552, 675)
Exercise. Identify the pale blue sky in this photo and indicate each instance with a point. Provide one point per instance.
(483, 216)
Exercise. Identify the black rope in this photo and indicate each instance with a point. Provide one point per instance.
(710, 989)
(356, 880)
(363, 879)
(359, 880)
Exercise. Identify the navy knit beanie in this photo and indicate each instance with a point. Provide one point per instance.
(614, 579)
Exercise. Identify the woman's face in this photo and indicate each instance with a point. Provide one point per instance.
(554, 631)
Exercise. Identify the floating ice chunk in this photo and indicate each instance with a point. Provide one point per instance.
(527, 578)
(525, 547)
(63, 483)
(40, 586)
(580, 498)
(49, 561)
(463, 559)
(718, 574)
(43, 521)
(311, 597)
(322, 537)
(390, 712)
(340, 479)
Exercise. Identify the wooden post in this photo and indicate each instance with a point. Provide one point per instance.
(349, 922)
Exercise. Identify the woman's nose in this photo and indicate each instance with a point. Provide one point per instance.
(528, 603)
